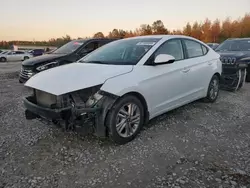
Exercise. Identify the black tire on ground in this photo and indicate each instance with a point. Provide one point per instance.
(112, 118)
(243, 79)
(3, 59)
(26, 57)
(210, 98)
(248, 74)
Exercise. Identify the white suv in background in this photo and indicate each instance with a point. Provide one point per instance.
(14, 56)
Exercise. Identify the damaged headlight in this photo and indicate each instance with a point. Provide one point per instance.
(86, 98)
(47, 66)
(93, 99)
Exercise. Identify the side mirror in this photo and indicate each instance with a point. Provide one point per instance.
(164, 59)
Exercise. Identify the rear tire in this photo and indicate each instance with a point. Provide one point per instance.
(26, 57)
(213, 90)
(3, 59)
(125, 119)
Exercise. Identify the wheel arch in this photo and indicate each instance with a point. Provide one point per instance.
(218, 74)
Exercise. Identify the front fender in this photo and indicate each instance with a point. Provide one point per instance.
(122, 85)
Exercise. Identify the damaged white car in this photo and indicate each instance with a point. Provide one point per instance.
(122, 85)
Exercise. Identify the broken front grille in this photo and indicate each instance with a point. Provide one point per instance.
(45, 99)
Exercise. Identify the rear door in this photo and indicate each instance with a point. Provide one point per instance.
(19, 55)
(196, 68)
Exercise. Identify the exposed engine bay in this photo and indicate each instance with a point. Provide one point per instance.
(73, 110)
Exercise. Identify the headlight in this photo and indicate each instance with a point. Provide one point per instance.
(93, 99)
(47, 66)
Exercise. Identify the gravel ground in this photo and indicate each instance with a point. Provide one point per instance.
(198, 145)
(10, 67)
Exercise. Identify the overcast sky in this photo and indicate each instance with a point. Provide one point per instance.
(44, 19)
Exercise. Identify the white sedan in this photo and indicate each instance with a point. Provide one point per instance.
(122, 85)
(14, 56)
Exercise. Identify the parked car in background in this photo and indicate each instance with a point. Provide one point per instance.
(4, 51)
(68, 53)
(50, 51)
(37, 52)
(14, 56)
(235, 51)
(213, 45)
(123, 84)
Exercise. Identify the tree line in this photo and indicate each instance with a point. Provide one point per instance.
(206, 31)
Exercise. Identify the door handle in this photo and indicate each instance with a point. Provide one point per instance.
(185, 70)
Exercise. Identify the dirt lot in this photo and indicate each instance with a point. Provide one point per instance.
(199, 145)
(10, 67)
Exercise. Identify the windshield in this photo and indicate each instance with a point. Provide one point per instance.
(69, 47)
(234, 45)
(121, 52)
(4, 52)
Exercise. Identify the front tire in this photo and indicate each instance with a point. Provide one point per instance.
(125, 119)
(3, 59)
(243, 78)
(213, 89)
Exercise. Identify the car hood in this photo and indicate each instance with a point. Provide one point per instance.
(233, 53)
(76, 76)
(42, 58)
(240, 57)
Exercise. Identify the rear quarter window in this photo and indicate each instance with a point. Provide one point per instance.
(204, 49)
(193, 48)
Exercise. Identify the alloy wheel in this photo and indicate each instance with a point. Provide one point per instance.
(128, 120)
(214, 89)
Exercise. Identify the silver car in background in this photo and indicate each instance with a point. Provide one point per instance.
(14, 56)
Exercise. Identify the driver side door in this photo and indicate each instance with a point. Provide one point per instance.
(12, 56)
(88, 48)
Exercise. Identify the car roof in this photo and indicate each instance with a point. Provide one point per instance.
(99, 39)
(164, 36)
(238, 39)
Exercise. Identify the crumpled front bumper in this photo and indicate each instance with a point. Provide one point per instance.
(79, 114)
(35, 111)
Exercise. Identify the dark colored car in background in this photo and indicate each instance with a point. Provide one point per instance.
(213, 45)
(68, 53)
(235, 58)
(37, 52)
